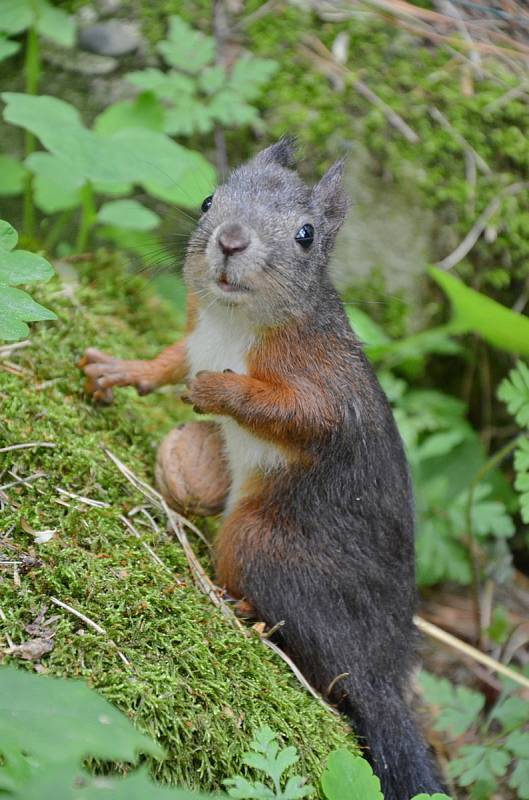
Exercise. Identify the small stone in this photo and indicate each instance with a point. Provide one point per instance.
(108, 7)
(112, 38)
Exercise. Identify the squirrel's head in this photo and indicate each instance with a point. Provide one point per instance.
(264, 238)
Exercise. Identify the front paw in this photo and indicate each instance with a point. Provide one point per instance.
(205, 392)
(103, 372)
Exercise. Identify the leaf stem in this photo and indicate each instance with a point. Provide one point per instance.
(32, 75)
(56, 229)
(88, 215)
(487, 467)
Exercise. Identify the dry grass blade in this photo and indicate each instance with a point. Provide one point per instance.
(155, 557)
(479, 226)
(176, 523)
(204, 583)
(26, 445)
(482, 658)
(7, 349)
(91, 624)
(325, 62)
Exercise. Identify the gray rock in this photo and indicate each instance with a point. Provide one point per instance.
(387, 229)
(77, 61)
(112, 38)
(109, 7)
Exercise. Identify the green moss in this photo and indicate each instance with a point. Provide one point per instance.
(195, 684)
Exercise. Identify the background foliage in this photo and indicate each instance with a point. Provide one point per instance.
(126, 168)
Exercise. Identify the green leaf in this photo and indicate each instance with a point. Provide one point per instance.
(367, 331)
(249, 74)
(211, 79)
(56, 183)
(436, 796)
(459, 706)
(514, 392)
(57, 720)
(55, 24)
(8, 236)
(165, 85)
(11, 328)
(439, 556)
(128, 214)
(511, 712)
(488, 516)
(228, 109)
(472, 311)
(186, 48)
(478, 763)
(137, 786)
(17, 308)
(7, 48)
(189, 116)
(440, 443)
(296, 787)
(500, 626)
(39, 114)
(131, 155)
(20, 267)
(12, 175)
(15, 15)
(243, 789)
(167, 170)
(519, 780)
(518, 743)
(349, 777)
(143, 112)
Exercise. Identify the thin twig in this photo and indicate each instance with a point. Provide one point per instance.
(334, 681)
(176, 523)
(472, 652)
(26, 481)
(86, 500)
(204, 583)
(155, 557)
(479, 226)
(460, 139)
(324, 60)
(91, 624)
(7, 349)
(26, 445)
(299, 675)
(9, 640)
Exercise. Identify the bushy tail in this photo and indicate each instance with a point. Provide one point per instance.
(394, 746)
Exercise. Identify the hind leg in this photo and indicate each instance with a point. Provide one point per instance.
(191, 469)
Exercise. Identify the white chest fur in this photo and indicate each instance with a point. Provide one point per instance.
(220, 341)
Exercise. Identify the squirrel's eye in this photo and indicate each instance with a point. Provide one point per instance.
(206, 204)
(305, 236)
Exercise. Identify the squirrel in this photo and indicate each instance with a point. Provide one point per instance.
(303, 454)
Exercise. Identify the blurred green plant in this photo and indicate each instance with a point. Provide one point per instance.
(502, 754)
(266, 756)
(50, 726)
(195, 93)
(514, 391)
(35, 18)
(79, 164)
(19, 267)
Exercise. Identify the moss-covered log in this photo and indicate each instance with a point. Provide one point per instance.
(197, 685)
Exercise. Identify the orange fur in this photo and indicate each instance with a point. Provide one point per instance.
(285, 397)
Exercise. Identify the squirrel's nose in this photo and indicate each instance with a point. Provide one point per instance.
(232, 238)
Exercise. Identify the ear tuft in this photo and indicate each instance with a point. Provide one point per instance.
(330, 195)
(282, 152)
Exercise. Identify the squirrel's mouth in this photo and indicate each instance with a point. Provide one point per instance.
(230, 287)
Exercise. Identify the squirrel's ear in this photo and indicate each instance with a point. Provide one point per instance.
(282, 152)
(330, 195)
